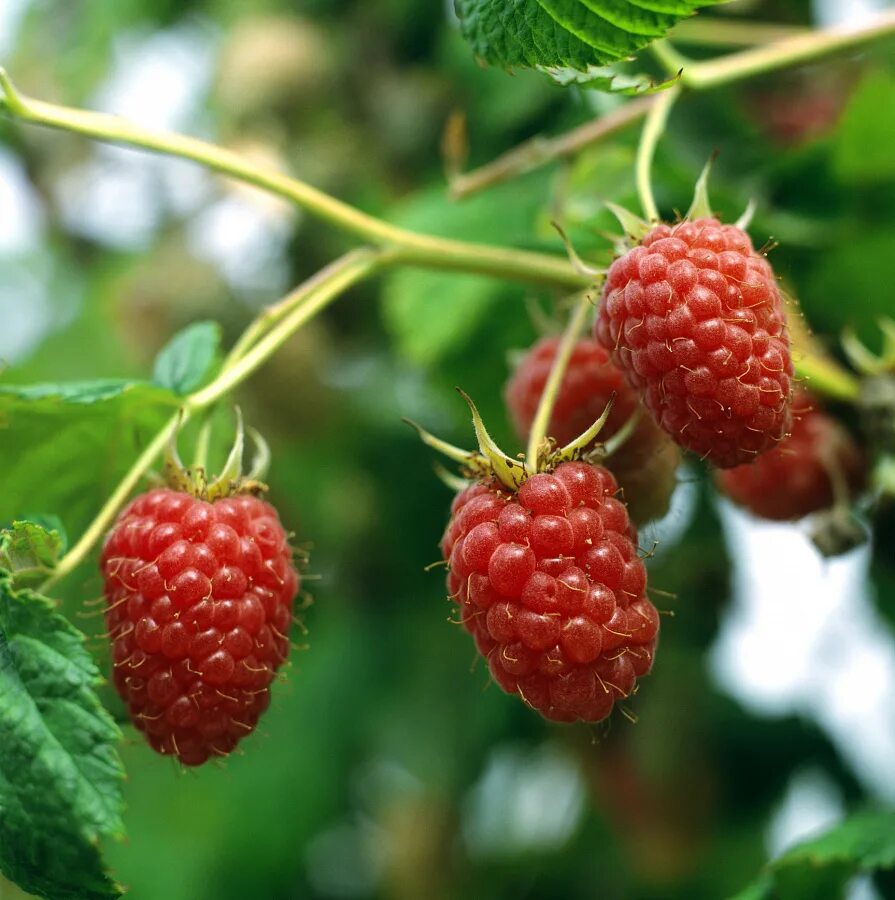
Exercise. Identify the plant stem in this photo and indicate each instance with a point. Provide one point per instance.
(790, 51)
(541, 421)
(275, 313)
(305, 305)
(653, 128)
(419, 249)
(540, 150)
(299, 306)
(717, 32)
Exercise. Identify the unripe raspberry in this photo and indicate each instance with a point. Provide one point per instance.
(796, 478)
(549, 584)
(645, 465)
(694, 318)
(199, 607)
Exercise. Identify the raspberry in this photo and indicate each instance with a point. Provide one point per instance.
(199, 608)
(646, 464)
(794, 479)
(695, 320)
(549, 585)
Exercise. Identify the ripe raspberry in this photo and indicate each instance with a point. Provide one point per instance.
(646, 464)
(695, 320)
(550, 586)
(199, 608)
(794, 479)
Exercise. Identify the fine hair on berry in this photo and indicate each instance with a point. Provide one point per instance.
(694, 318)
(199, 608)
(550, 586)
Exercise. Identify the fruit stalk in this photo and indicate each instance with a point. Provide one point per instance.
(653, 128)
(292, 312)
(416, 249)
(548, 399)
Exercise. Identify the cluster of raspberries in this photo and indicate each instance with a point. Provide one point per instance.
(690, 343)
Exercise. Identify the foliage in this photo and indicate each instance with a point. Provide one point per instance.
(380, 749)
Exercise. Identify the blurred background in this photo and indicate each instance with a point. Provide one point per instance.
(387, 766)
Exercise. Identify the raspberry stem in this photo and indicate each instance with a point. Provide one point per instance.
(653, 128)
(415, 249)
(541, 421)
(261, 339)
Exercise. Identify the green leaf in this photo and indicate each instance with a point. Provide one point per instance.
(820, 866)
(188, 359)
(65, 446)
(607, 79)
(575, 34)
(430, 314)
(28, 551)
(60, 773)
(863, 150)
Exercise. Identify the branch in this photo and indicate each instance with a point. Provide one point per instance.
(782, 54)
(541, 150)
(419, 249)
(268, 332)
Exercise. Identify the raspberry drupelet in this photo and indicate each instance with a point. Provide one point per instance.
(199, 607)
(694, 318)
(549, 584)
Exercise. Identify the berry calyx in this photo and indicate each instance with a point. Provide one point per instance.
(199, 596)
(644, 465)
(694, 318)
(817, 465)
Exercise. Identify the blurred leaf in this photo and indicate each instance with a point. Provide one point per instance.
(863, 148)
(187, 360)
(28, 551)
(570, 33)
(431, 314)
(851, 284)
(822, 865)
(63, 447)
(60, 774)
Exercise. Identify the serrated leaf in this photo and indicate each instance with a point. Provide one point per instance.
(821, 866)
(575, 34)
(60, 773)
(188, 359)
(28, 551)
(606, 79)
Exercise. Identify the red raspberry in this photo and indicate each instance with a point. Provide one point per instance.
(793, 480)
(646, 464)
(550, 586)
(199, 608)
(695, 320)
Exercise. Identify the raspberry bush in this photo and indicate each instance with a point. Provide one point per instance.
(743, 348)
